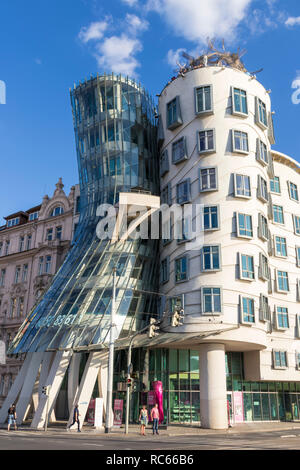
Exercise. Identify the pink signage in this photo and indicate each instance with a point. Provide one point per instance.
(151, 398)
(118, 412)
(238, 407)
(90, 415)
(158, 388)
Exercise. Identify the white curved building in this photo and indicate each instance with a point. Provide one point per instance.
(239, 283)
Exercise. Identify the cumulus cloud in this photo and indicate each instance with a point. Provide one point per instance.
(130, 3)
(117, 54)
(175, 57)
(94, 31)
(292, 21)
(135, 24)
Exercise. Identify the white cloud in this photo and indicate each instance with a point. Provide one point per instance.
(117, 54)
(195, 20)
(130, 3)
(94, 31)
(174, 57)
(293, 21)
(136, 24)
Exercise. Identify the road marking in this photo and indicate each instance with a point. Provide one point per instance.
(289, 435)
(90, 444)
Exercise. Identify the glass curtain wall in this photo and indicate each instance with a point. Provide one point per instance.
(115, 133)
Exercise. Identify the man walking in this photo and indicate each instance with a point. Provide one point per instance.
(75, 418)
(12, 417)
(155, 418)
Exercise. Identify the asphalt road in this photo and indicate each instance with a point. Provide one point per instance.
(28, 440)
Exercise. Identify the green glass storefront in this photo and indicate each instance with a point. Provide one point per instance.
(178, 370)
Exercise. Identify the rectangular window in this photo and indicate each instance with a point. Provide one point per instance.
(25, 273)
(166, 231)
(244, 225)
(2, 277)
(247, 267)
(203, 96)
(239, 101)
(264, 309)
(17, 274)
(13, 222)
(293, 191)
(49, 234)
(1, 246)
(247, 310)
(275, 185)
(261, 114)
(263, 231)
(240, 142)
(28, 243)
(262, 189)
(282, 318)
(206, 141)
(166, 195)
(58, 233)
(173, 114)
(211, 300)
(20, 307)
(280, 246)
(280, 359)
(208, 179)
(179, 152)
(296, 220)
(41, 265)
(263, 267)
(181, 269)
(298, 256)
(183, 192)
(242, 187)
(13, 305)
(262, 152)
(48, 264)
(33, 216)
(7, 245)
(211, 217)
(278, 214)
(164, 162)
(165, 269)
(282, 279)
(211, 258)
(297, 360)
(21, 243)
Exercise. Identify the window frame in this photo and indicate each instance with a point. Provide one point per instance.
(177, 120)
(179, 258)
(185, 156)
(204, 111)
(187, 182)
(259, 153)
(242, 312)
(236, 150)
(258, 103)
(234, 111)
(216, 188)
(206, 150)
(235, 186)
(262, 189)
(278, 182)
(284, 315)
(263, 227)
(282, 291)
(246, 278)
(275, 247)
(275, 221)
(213, 312)
(202, 255)
(164, 165)
(291, 190)
(210, 217)
(238, 230)
(280, 351)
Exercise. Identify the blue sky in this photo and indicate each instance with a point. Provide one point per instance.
(47, 45)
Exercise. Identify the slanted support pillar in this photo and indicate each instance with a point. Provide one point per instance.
(213, 409)
(73, 379)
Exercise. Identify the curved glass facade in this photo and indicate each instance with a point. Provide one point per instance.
(115, 132)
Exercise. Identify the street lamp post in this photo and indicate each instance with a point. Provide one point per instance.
(109, 418)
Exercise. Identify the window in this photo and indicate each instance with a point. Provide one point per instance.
(278, 214)
(263, 231)
(166, 195)
(179, 150)
(239, 101)
(20, 307)
(165, 270)
(183, 191)
(296, 220)
(282, 280)
(298, 256)
(210, 258)
(49, 234)
(206, 141)
(176, 303)
(41, 265)
(262, 189)
(264, 309)
(293, 191)
(173, 114)
(240, 142)
(211, 300)
(242, 187)
(164, 162)
(262, 152)
(21, 243)
(297, 360)
(203, 97)
(208, 179)
(25, 273)
(282, 318)
(263, 272)
(211, 217)
(7, 245)
(13, 222)
(181, 271)
(246, 267)
(33, 216)
(280, 359)
(58, 233)
(166, 231)
(17, 274)
(247, 310)
(261, 114)
(48, 264)
(28, 244)
(280, 246)
(2, 277)
(13, 305)
(244, 225)
(275, 185)
(57, 211)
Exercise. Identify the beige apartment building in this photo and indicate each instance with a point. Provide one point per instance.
(33, 245)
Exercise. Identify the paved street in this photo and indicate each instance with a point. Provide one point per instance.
(59, 440)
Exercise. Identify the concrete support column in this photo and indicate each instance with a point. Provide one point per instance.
(102, 383)
(213, 409)
(73, 379)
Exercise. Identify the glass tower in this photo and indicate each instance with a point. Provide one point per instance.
(115, 132)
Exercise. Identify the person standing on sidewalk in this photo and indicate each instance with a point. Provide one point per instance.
(143, 419)
(12, 417)
(75, 418)
(155, 418)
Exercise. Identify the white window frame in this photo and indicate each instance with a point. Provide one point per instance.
(260, 104)
(187, 182)
(264, 308)
(275, 221)
(263, 272)
(177, 120)
(297, 360)
(213, 312)
(246, 278)
(277, 313)
(211, 269)
(201, 190)
(280, 351)
(283, 291)
(235, 185)
(275, 247)
(237, 150)
(291, 190)
(164, 162)
(272, 191)
(208, 110)
(234, 111)
(261, 152)
(262, 189)
(184, 156)
(178, 258)
(210, 218)
(296, 217)
(263, 227)
(243, 313)
(238, 225)
(297, 248)
(206, 149)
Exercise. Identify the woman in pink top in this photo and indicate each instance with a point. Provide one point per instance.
(155, 418)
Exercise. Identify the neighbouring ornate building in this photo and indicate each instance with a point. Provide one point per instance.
(33, 245)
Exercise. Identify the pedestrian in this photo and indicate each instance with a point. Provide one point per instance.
(76, 415)
(143, 419)
(155, 418)
(12, 417)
